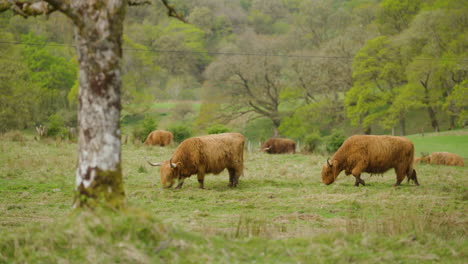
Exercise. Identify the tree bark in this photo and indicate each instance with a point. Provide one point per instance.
(430, 110)
(98, 36)
(403, 125)
(433, 118)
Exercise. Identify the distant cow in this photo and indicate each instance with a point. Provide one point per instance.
(159, 137)
(205, 154)
(442, 158)
(372, 154)
(279, 146)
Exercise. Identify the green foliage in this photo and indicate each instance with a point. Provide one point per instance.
(180, 132)
(334, 141)
(258, 129)
(217, 129)
(55, 74)
(312, 141)
(56, 126)
(395, 15)
(246, 4)
(457, 103)
(144, 128)
(379, 75)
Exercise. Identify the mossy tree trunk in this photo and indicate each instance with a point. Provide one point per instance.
(98, 37)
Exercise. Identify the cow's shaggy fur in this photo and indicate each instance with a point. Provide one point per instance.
(159, 137)
(205, 154)
(278, 146)
(372, 154)
(442, 158)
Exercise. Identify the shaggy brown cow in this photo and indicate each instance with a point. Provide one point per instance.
(159, 137)
(279, 146)
(205, 154)
(372, 154)
(443, 158)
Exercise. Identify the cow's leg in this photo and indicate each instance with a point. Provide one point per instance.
(201, 179)
(232, 178)
(181, 182)
(357, 174)
(400, 175)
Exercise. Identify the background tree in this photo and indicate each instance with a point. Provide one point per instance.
(251, 84)
(378, 72)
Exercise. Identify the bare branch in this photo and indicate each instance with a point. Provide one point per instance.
(26, 8)
(36, 8)
(138, 2)
(172, 12)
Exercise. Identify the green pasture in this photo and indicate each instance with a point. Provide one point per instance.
(280, 212)
(451, 141)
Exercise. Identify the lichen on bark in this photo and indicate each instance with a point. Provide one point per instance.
(105, 189)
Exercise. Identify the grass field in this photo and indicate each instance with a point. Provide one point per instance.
(280, 213)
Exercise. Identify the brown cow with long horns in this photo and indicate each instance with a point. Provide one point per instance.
(205, 154)
(371, 154)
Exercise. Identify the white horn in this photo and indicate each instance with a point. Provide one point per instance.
(173, 165)
(151, 163)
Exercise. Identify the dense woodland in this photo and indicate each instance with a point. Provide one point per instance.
(295, 68)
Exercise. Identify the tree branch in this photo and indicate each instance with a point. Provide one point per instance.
(27, 8)
(138, 2)
(172, 12)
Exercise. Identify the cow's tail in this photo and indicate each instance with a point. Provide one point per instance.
(411, 172)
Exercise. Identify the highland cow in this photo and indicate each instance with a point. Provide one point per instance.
(372, 154)
(442, 158)
(159, 137)
(278, 146)
(202, 155)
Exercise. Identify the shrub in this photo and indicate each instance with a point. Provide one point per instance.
(180, 132)
(182, 110)
(217, 129)
(56, 126)
(144, 128)
(334, 141)
(14, 135)
(312, 141)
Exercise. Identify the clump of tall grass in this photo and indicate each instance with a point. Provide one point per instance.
(100, 237)
(403, 221)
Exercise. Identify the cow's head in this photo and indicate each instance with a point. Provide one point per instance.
(168, 171)
(330, 171)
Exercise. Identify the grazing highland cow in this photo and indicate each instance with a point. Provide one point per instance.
(205, 154)
(442, 158)
(159, 137)
(372, 154)
(279, 146)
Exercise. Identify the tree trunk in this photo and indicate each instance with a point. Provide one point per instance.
(433, 118)
(368, 130)
(276, 124)
(98, 36)
(403, 126)
(452, 122)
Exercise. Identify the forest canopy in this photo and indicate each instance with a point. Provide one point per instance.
(287, 67)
